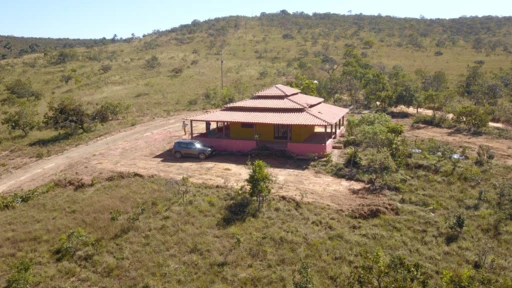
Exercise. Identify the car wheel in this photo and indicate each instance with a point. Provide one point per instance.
(202, 156)
(178, 155)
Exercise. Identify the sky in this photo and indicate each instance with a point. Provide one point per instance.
(104, 18)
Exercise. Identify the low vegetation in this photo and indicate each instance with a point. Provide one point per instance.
(128, 230)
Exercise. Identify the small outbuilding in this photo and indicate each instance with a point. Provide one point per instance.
(280, 117)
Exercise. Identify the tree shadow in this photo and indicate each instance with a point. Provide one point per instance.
(399, 114)
(52, 140)
(238, 159)
(238, 211)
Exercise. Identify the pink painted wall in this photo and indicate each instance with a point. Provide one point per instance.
(306, 149)
(303, 149)
(228, 144)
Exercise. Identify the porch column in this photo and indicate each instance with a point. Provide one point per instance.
(191, 129)
(325, 133)
(223, 129)
(339, 123)
(336, 130)
(331, 132)
(343, 121)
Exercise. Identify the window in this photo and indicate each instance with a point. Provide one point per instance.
(247, 125)
(281, 132)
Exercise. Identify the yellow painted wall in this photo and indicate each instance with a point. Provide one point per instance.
(237, 132)
(299, 133)
(266, 132)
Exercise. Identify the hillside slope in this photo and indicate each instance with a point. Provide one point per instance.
(179, 69)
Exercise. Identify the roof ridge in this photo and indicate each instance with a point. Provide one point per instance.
(288, 98)
(286, 94)
(308, 111)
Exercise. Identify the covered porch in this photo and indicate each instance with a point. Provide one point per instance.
(303, 140)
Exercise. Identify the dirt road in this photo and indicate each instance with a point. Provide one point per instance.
(501, 147)
(145, 149)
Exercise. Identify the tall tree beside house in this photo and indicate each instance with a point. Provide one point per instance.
(259, 181)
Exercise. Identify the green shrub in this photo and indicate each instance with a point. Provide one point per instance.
(22, 89)
(109, 111)
(441, 121)
(73, 242)
(473, 117)
(21, 275)
(484, 155)
(152, 62)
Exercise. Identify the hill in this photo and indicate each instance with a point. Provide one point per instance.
(179, 69)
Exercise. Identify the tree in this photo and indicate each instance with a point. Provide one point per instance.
(24, 118)
(8, 46)
(22, 89)
(437, 100)
(304, 85)
(259, 181)
(68, 114)
(329, 64)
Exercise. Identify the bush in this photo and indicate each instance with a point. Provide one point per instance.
(73, 242)
(66, 78)
(63, 57)
(441, 121)
(473, 117)
(484, 155)
(22, 89)
(108, 111)
(288, 36)
(438, 53)
(368, 43)
(105, 68)
(21, 275)
(153, 62)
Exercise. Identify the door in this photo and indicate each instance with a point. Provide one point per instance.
(281, 132)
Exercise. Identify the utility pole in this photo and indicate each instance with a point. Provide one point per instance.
(221, 71)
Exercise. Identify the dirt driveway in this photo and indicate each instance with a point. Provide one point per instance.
(146, 149)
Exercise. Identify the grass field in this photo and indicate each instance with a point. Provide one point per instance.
(138, 231)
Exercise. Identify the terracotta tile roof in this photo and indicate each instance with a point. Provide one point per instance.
(328, 113)
(277, 90)
(305, 100)
(261, 117)
(279, 103)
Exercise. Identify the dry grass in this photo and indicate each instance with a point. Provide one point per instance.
(186, 244)
(159, 92)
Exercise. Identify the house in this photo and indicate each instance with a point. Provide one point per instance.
(280, 117)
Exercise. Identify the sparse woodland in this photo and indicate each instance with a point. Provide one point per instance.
(452, 224)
